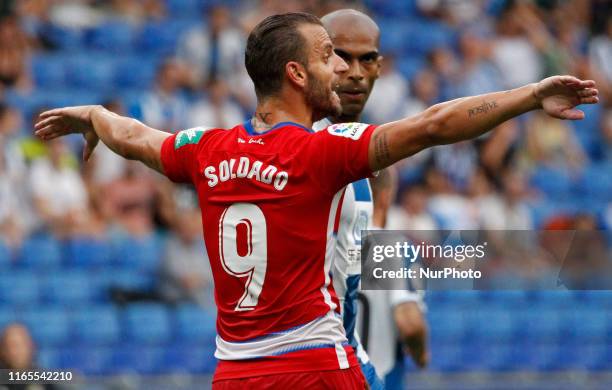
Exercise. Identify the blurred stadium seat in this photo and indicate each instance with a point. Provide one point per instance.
(40, 252)
(97, 325)
(19, 288)
(49, 325)
(67, 288)
(147, 323)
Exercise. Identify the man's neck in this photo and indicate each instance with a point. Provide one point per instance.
(275, 110)
(345, 118)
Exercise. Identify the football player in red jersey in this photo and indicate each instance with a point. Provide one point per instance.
(269, 199)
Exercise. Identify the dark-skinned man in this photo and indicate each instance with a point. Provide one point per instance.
(356, 40)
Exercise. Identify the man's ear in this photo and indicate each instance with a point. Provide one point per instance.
(379, 62)
(296, 73)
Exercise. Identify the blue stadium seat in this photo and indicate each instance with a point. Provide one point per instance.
(88, 252)
(553, 299)
(114, 37)
(146, 323)
(185, 8)
(64, 38)
(142, 253)
(91, 71)
(555, 183)
(160, 38)
(135, 72)
(596, 357)
(20, 288)
(447, 359)
(424, 36)
(136, 359)
(123, 278)
(49, 70)
(448, 324)
(409, 67)
(491, 325)
(589, 325)
(68, 287)
(49, 358)
(49, 325)
(595, 183)
(87, 360)
(97, 325)
(7, 316)
(192, 359)
(393, 40)
(195, 324)
(5, 256)
(540, 325)
(392, 8)
(41, 252)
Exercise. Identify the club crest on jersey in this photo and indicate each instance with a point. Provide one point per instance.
(351, 130)
(188, 136)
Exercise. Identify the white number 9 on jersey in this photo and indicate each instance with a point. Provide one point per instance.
(244, 223)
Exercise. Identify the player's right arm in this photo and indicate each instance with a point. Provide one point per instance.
(127, 137)
(469, 117)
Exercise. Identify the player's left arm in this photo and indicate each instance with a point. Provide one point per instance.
(412, 328)
(469, 117)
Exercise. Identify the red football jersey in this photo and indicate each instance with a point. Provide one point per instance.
(269, 203)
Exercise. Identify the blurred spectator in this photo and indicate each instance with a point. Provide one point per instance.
(454, 12)
(389, 94)
(515, 56)
(13, 205)
(606, 130)
(217, 110)
(412, 212)
(16, 348)
(215, 50)
(457, 162)
(59, 193)
(451, 210)
(444, 63)
(164, 107)
(138, 11)
(14, 54)
(424, 94)
(17, 351)
(505, 211)
(130, 200)
(76, 14)
(477, 74)
(552, 142)
(600, 54)
(186, 274)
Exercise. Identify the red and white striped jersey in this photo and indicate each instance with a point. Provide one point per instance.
(270, 205)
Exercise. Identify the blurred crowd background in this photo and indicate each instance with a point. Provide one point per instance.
(112, 231)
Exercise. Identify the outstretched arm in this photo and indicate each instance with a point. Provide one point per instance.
(469, 117)
(127, 137)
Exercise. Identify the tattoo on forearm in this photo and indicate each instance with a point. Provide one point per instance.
(381, 149)
(482, 109)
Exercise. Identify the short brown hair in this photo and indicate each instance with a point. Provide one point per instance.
(272, 43)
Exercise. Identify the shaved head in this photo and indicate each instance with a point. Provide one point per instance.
(356, 38)
(350, 22)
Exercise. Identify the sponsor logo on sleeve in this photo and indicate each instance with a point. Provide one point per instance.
(189, 136)
(351, 130)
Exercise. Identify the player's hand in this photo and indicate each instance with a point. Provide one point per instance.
(68, 120)
(559, 95)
